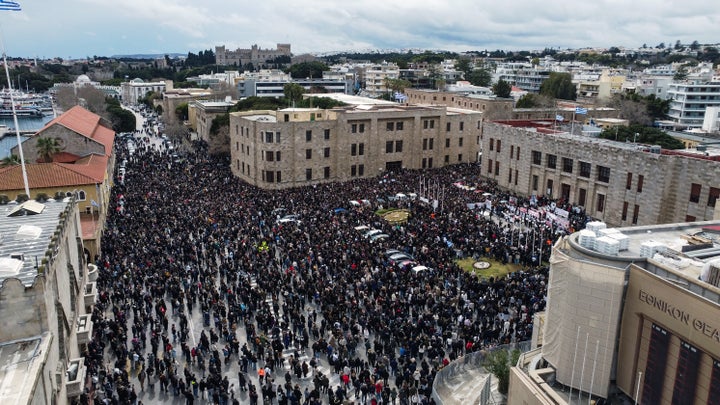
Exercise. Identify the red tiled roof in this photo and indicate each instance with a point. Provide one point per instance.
(88, 170)
(85, 123)
(64, 157)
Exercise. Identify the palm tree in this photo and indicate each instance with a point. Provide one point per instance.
(11, 160)
(47, 147)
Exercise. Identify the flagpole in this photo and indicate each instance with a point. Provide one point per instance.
(12, 6)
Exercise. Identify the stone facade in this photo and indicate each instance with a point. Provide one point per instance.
(69, 141)
(255, 55)
(618, 183)
(295, 147)
(492, 108)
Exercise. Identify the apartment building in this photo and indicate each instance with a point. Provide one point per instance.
(375, 78)
(255, 55)
(275, 87)
(633, 323)
(301, 146)
(202, 112)
(132, 91)
(47, 295)
(690, 99)
(619, 183)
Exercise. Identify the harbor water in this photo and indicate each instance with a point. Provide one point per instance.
(25, 124)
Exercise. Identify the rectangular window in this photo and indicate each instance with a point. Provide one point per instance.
(582, 196)
(237, 145)
(447, 127)
(430, 163)
(308, 136)
(426, 124)
(460, 142)
(713, 196)
(308, 174)
(432, 141)
(277, 156)
(389, 146)
(361, 170)
(492, 144)
(490, 166)
(600, 203)
(497, 146)
(509, 175)
(353, 171)
(497, 166)
(686, 374)
(641, 178)
(278, 177)
(551, 161)
(326, 152)
(398, 146)
(585, 169)
(636, 214)
(362, 128)
(447, 159)
(603, 174)
(512, 151)
(695, 192)
(624, 211)
(308, 153)
(268, 137)
(516, 177)
(277, 137)
(326, 172)
(425, 143)
(517, 153)
(353, 128)
(327, 135)
(655, 368)
(462, 126)
(424, 163)
(567, 165)
(460, 157)
(432, 124)
(361, 149)
(550, 184)
(270, 176)
(535, 181)
(447, 142)
(269, 156)
(714, 394)
(399, 126)
(628, 182)
(353, 149)
(536, 157)
(390, 126)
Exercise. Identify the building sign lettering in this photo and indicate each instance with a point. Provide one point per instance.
(680, 315)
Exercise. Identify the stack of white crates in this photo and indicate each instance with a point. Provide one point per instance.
(595, 226)
(607, 245)
(649, 248)
(586, 239)
(615, 233)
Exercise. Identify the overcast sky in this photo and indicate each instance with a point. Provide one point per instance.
(80, 28)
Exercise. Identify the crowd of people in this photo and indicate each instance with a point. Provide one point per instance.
(205, 296)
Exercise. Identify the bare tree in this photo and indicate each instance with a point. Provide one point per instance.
(86, 96)
(223, 90)
(633, 111)
(219, 144)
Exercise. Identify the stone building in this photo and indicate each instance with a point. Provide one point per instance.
(173, 99)
(46, 300)
(296, 147)
(637, 323)
(135, 89)
(255, 55)
(619, 183)
(201, 114)
(493, 108)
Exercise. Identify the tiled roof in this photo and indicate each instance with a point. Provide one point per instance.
(88, 170)
(85, 123)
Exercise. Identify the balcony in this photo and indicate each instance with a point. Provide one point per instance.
(92, 272)
(90, 294)
(75, 381)
(84, 329)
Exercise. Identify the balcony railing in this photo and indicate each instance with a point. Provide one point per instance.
(75, 377)
(84, 329)
(90, 294)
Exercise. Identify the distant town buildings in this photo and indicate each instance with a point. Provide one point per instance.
(255, 55)
(135, 89)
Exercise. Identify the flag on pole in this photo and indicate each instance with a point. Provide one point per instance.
(94, 203)
(559, 117)
(9, 5)
(580, 110)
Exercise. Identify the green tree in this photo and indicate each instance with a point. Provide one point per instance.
(181, 111)
(463, 65)
(680, 75)
(498, 363)
(645, 135)
(532, 100)
(293, 92)
(480, 77)
(307, 70)
(10, 160)
(559, 85)
(122, 120)
(47, 148)
(502, 89)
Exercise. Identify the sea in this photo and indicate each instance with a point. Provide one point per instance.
(25, 124)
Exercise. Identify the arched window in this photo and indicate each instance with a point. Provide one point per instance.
(81, 195)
